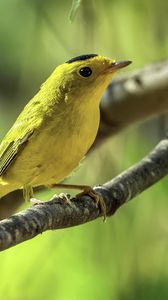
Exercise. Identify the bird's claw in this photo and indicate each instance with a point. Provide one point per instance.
(65, 197)
(35, 201)
(97, 197)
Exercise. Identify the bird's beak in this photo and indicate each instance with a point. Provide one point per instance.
(117, 65)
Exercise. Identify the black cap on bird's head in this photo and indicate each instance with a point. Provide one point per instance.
(81, 57)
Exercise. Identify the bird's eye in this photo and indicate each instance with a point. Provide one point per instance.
(85, 71)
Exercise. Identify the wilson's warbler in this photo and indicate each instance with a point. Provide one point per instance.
(57, 127)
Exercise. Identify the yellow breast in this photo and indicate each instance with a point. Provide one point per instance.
(56, 149)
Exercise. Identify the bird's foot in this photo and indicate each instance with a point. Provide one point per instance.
(35, 201)
(65, 197)
(86, 190)
(98, 199)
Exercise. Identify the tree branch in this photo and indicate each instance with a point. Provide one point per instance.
(56, 214)
(131, 98)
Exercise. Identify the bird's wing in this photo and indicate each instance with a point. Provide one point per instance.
(10, 149)
(28, 121)
(17, 137)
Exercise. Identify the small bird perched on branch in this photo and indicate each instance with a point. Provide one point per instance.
(57, 127)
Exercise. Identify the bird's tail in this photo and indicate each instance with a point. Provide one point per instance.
(5, 187)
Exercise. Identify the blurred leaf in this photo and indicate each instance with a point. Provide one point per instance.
(75, 6)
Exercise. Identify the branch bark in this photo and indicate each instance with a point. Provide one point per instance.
(56, 214)
(134, 97)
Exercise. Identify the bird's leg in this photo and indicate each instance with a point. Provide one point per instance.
(27, 192)
(28, 195)
(86, 190)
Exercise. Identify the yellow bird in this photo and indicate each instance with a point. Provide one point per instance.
(57, 126)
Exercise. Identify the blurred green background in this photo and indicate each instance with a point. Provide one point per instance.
(125, 258)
